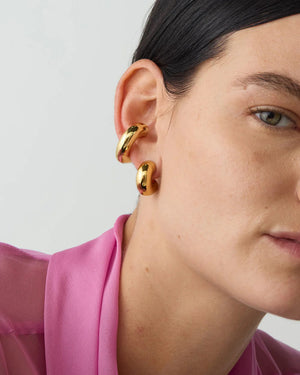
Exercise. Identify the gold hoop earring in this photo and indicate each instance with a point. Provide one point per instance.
(144, 181)
(145, 171)
(127, 140)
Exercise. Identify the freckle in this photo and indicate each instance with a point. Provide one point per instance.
(259, 157)
(266, 207)
(147, 269)
(179, 237)
(140, 330)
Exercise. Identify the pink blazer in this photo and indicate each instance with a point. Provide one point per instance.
(59, 314)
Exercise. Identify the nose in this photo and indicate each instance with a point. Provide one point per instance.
(298, 188)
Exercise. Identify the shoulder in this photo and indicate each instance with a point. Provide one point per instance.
(10, 251)
(22, 288)
(274, 355)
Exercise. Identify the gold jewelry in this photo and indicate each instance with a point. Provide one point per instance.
(145, 171)
(127, 140)
(144, 181)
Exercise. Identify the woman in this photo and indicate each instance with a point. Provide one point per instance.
(209, 115)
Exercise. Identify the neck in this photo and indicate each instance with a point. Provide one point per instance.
(172, 321)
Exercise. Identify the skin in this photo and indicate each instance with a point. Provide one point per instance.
(198, 273)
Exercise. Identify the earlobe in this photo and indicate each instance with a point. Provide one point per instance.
(138, 95)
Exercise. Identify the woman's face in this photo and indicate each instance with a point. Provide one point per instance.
(228, 177)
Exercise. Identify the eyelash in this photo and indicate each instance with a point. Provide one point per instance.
(273, 127)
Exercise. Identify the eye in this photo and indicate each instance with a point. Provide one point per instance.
(274, 119)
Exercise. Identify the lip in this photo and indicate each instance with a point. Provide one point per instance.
(287, 235)
(290, 246)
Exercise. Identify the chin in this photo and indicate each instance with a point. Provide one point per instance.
(289, 312)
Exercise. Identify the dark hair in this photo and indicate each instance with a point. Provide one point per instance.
(181, 34)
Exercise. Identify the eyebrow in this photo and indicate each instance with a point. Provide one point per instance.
(271, 81)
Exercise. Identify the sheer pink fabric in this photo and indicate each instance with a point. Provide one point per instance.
(22, 290)
(59, 314)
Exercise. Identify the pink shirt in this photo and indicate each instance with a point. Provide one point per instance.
(59, 314)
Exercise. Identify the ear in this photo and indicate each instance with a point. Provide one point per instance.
(140, 98)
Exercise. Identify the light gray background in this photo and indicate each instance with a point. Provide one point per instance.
(60, 182)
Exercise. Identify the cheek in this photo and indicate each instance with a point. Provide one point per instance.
(215, 179)
(218, 187)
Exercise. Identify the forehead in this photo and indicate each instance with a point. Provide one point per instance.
(269, 54)
(274, 45)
